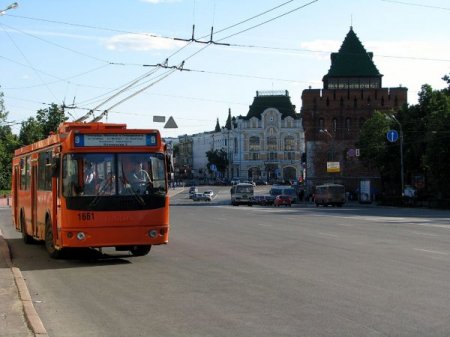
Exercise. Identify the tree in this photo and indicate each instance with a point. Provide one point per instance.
(426, 135)
(219, 159)
(8, 143)
(50, 118)
(228, 122)
(45, 123)
(376, 152)
(217, 128)
(30, 131)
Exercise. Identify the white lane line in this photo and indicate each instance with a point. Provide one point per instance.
(424, 234)
(431, 251)
(328, 234)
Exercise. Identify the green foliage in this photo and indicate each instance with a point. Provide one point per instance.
(32, 130)
(426, 139)
(8, 143)
(219, 159)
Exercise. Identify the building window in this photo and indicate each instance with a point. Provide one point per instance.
(289, 143)
(289, 155)
(321, 124)
(272, 156)
(235, 145)
(334, 124)
(254, 156)
(348, 124)
(254, 144)
(272, 143)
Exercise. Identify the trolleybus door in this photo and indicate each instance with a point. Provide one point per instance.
(33, 200)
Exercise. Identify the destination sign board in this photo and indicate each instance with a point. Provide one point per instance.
(110, 140)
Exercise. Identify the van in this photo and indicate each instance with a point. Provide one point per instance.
(329, 194)
(284, 190)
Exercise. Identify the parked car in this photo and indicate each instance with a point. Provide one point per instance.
(284, 190)
(193, 189)
(282, 200)
(259, 200)
(263, 200)
(201, 197)
(235, 181)
(209, 193)
(260, 182)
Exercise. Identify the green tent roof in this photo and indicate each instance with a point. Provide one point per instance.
(352, 60)
(280, 102)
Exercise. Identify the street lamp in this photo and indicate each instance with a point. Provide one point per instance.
(332, 167)
(326, 132)
(402, 176)
(12, 6)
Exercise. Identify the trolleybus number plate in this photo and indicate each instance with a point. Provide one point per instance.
(86, 216)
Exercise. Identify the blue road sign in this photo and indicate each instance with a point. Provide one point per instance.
(392, 136)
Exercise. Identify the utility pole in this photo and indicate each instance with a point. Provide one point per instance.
(402, 175)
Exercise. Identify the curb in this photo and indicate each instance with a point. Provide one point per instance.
(30, 313)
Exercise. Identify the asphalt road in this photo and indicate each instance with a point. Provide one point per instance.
(255, 271)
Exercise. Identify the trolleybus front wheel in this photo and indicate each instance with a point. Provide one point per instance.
(49, 244)
(140, 250)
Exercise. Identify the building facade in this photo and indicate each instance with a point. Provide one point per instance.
(268, 142)
(332, 116)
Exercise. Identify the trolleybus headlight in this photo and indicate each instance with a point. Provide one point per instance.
(152, 233)
(81, 236)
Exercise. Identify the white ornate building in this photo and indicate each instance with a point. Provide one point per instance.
(266, 144)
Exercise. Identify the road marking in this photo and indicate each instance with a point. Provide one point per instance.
(431, 251)
(328, 234)
(423, 233)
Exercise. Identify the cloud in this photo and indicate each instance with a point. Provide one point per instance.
(140, 42)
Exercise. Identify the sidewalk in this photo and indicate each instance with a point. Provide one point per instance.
(18, 316)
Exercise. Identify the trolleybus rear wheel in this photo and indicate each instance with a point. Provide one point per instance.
(25, 237)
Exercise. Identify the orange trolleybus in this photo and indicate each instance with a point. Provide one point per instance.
(93, 185)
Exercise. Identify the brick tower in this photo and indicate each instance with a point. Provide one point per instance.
(332, 116)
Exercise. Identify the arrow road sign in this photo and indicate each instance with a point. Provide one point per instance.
(392, 136)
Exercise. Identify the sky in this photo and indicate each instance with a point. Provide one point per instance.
(129, 57)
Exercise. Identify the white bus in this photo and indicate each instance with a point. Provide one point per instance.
(329, 194)
(242, 194)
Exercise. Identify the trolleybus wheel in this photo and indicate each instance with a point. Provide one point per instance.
(140, 250)
(28, 239)
(49, 244)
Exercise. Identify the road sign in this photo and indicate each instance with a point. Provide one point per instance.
(333, 166)
(171, 124)
(392, 136)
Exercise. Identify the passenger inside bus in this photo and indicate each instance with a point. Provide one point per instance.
(89, 179)
(136, 177)
(108, 185)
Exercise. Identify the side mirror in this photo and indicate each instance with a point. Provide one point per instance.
(169, 162)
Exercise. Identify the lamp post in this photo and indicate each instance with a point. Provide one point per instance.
(402, 176)
(12, 6)
(326, 132)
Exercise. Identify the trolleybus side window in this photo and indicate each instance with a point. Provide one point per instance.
(25, 172)
(45, 171)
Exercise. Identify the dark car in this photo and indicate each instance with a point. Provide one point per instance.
(282, 200)
(263, 200)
